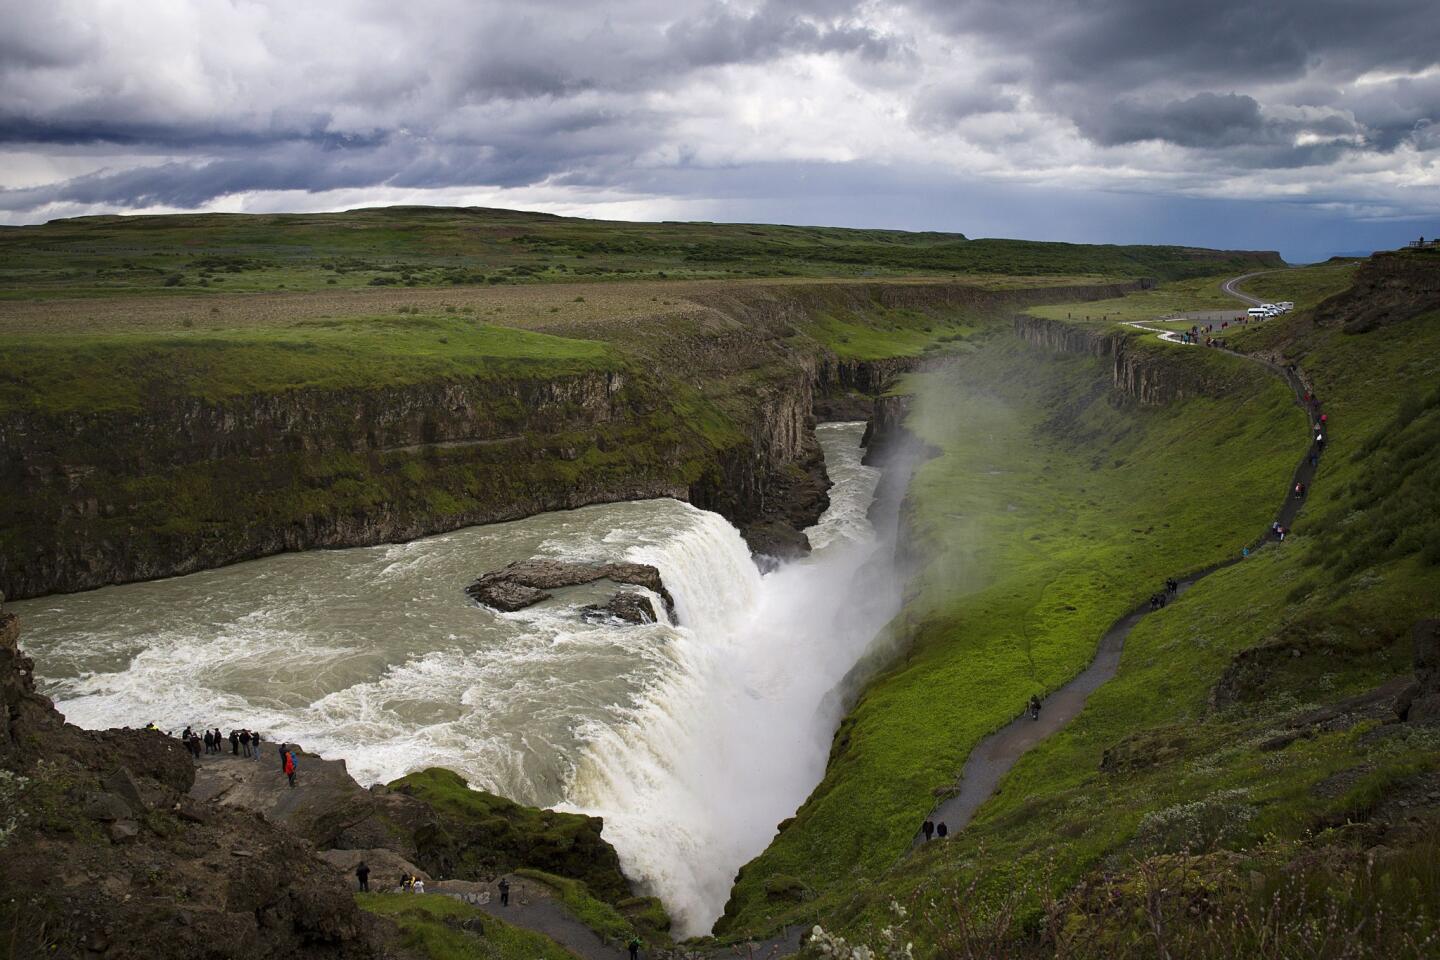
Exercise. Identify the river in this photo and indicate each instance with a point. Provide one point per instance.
(692, 740)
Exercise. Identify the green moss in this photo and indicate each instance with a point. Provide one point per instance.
(1051, 511)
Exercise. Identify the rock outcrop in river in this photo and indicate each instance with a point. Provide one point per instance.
(525, 583)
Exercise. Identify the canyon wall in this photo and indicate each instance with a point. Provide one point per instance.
(1139, 371)
(716, 407)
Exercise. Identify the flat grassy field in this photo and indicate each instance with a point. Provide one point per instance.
(1304, 286)
(104, 373)
(433, 246)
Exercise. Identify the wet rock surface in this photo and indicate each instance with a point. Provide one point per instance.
(624, 607)
(527, 582)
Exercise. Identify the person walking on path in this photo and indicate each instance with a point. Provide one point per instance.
(1034, 711)
(290, 768)
(941, 830)
(504, 892)
(362, 873)
(417, 885)
(219, 741)
(928, 828)
(634, 945)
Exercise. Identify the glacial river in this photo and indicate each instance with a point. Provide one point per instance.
(692, 740)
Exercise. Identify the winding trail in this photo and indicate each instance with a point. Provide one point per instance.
(994, 756)
(1230, 288)
(534, 906)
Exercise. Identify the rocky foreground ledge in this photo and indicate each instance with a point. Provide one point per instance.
(525, 583)
(118, 844)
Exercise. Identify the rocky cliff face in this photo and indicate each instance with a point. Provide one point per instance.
(1136, 374)
(189, 484)
(1388, 288)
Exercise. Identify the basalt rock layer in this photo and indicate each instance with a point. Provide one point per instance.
(1138, 373)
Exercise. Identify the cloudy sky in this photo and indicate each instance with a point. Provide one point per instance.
(1311, 126)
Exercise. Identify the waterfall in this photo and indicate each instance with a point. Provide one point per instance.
(720, 749)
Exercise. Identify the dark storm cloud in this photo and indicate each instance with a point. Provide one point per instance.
(1215, 75)
(120, 131)
(1122, 43)
(940, 107)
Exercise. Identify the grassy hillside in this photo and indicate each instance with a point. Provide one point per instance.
(436, 246)
(1197, 807)
(1051, 512)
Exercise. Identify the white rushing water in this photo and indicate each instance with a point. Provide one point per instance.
(692, 741)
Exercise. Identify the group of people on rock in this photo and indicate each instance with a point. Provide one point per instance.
(243, 743)
(936, 830)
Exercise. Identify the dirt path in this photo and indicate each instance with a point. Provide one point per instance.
(532, 907)
(994, 756)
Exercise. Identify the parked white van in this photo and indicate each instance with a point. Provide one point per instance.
(1257, 313)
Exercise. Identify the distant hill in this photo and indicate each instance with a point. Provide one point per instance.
(437, 246)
